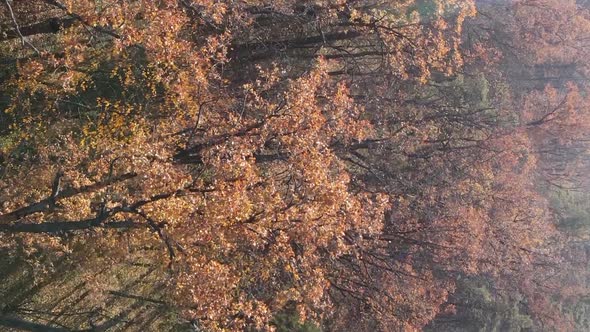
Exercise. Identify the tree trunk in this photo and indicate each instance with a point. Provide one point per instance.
(52, 25)
(66, 226)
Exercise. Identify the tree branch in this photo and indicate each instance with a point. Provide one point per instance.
(45, 204)
(17, 28)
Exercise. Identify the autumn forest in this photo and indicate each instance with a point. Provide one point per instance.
(290, 165)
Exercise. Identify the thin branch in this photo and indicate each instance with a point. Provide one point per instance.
(17, 27)
(161, 234)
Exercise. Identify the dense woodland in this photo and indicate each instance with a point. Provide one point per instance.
(288, 165)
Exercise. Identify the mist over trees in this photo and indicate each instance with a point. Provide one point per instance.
(337, 165)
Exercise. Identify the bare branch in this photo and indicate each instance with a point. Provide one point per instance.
(17, 27)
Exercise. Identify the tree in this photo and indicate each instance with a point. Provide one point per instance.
(346, 162)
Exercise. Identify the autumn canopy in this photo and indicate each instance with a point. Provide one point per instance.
(341, 165)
